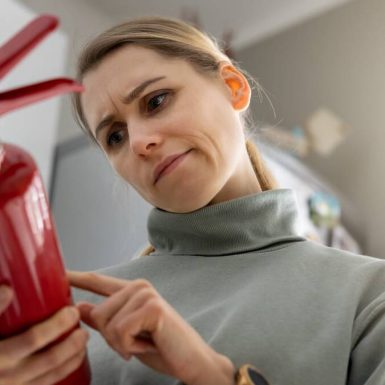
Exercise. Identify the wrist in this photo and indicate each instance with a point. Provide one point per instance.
(218, 370)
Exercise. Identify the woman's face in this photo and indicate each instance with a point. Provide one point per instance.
(143, 107)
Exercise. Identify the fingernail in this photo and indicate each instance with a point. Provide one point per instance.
(5, 292)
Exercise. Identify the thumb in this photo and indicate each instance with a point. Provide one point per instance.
(85, 309)
(6, 295)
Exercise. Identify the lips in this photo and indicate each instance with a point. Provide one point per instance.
(165, 163)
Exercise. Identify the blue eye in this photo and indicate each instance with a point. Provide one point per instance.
(156, 101)
(115, 138)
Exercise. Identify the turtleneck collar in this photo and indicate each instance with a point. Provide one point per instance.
(249, 223)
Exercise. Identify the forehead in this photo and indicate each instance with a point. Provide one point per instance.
(132, 61)
(122, 70)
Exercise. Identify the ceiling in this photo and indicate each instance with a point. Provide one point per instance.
(249, 20)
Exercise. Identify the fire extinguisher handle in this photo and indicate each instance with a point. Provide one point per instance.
(15, 49)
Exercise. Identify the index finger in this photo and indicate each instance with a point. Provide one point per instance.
(97, 283)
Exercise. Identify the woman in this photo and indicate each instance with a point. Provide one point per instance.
(227, 280)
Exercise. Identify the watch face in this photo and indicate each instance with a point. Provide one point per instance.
(256, 377)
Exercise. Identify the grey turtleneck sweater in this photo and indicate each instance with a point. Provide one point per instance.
(257, 292)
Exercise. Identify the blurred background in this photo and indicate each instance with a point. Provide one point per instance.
(319, 123)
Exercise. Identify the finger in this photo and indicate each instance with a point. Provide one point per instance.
(6, 295)
(85, 309)
(122, 309)
(85, 314)
(54, 376)
(14, 349)
(97, 283)
(146, 321)
(104, 312)
(42, 363)
(137, 300)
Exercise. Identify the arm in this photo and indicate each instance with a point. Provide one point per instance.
(219, 370)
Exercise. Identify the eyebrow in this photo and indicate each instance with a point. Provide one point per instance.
(134, 94)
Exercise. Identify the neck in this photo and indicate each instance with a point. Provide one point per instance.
(243, 182)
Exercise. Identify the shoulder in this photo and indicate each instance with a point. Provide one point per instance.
(317, 251)
(321, 265)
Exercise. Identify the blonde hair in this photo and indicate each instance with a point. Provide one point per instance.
(172, 38)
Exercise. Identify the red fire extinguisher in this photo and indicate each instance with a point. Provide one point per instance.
(30, 258)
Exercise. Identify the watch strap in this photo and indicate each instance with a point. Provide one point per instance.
(249, 375)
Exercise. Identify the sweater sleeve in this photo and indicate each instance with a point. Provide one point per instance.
(367, 358)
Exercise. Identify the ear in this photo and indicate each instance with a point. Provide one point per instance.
(238, 86)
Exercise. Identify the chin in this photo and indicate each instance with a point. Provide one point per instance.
(182, 207)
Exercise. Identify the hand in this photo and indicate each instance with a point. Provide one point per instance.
(136, 321)
(22, 360)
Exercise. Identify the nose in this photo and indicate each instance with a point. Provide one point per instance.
(144, 140)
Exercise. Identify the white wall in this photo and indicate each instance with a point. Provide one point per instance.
(336, 60)
(33, 127)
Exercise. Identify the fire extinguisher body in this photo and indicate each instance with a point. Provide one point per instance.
(30, 257)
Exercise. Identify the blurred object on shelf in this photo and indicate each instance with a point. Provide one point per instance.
(325, 131)
(325, 212)
(324, 209)
(322, 133)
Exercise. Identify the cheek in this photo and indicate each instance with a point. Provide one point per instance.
(122, 167)
(218, 123)
(129, 172)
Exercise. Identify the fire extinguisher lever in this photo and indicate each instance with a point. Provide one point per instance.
(14, 50)
(22, 96)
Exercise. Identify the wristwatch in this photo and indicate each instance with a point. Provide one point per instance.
(249, 375)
